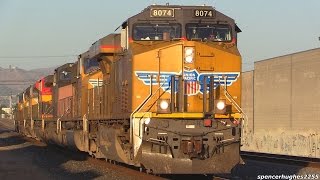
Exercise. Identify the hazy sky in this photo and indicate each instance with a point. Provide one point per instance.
(33, 28)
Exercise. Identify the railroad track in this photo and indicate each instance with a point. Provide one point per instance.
(282, 159)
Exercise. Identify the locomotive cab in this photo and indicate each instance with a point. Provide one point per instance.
(195, 43)
(90, 83)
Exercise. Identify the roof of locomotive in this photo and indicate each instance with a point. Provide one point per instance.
(180, 7)
(48, 80)
(107, 44)
(218, 15)
(187, 13)
(65, 69)
(65, 66)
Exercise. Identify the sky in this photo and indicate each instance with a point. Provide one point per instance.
(46, 33)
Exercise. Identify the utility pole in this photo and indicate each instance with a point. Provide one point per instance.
(10, 106)
(30, 107)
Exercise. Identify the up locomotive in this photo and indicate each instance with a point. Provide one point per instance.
(163, 94)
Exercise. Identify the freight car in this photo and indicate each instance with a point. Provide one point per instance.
(163, 94)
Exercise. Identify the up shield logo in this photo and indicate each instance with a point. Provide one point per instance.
(95, 82)
(194, 81)
(191, 82)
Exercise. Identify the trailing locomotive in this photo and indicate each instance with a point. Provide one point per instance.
(163, 94)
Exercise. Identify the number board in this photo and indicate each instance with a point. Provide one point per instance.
(163, 12)
(203, 13)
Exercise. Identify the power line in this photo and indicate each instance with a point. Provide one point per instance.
(23, 81)
(27, 57)
(16, 84)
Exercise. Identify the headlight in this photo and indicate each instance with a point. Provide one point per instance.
(221, 105)
(188, 54)
(164, 106)
(147, 121)
(189, 59)
(189, 51)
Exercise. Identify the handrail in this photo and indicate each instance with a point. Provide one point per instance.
(151, 95)
(50, 108)
(142, 104)
(244, 116)
(67, 111)
(138, 108)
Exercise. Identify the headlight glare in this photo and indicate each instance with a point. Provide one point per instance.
(164, 105)
(189, 51)
(189, 59)
(188, 54)
(147, 121)
(221, 105)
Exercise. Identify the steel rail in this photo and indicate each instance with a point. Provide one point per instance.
(282, 159)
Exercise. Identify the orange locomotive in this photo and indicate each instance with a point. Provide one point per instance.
(163, 94)
(34, 105)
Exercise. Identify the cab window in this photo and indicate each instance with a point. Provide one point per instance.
(91, 65)
(156, 32)
(65, 75)
(208, 32)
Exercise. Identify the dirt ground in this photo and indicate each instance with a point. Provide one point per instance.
(25, 158)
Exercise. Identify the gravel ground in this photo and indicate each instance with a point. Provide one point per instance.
(252, 169)
(25, 158)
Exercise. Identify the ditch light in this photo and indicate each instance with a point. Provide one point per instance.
(163, 106)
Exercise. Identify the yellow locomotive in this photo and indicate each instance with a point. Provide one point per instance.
(163, 94)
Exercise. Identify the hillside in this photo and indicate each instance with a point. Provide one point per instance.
(15, 80)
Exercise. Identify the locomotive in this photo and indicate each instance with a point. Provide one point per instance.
(162, 94)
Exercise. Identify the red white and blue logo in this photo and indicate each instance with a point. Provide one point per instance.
(194, 81)
(191, 82)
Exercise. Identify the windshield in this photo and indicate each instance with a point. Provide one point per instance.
(208, 32)
(156, 32)
(65, 75)
(91, 65)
